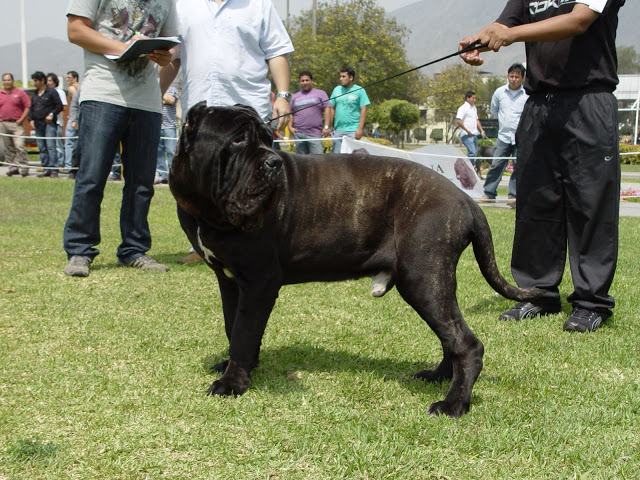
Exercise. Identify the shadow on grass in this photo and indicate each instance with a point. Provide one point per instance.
(32, 450)
(278, 369)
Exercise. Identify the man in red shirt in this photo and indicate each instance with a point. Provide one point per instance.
(14, 108)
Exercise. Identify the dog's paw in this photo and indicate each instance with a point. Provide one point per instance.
(235, 381)
(431, 376)
(454, 410)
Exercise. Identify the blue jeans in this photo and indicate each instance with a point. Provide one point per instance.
(471, 142)
(60, 144)
(69, 145)
(116, 166)
(47, 146)
(314, 148)
(102, 127)
(337, 139)
(167, 146)
(494, 175)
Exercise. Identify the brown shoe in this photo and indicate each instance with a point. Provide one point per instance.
(193, 257)
(13, 171)
(144, 262)
(485, 199)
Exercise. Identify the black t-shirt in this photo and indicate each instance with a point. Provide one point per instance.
(43, 105)
(583, 61)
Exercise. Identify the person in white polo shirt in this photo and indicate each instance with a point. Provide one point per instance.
(470, 128)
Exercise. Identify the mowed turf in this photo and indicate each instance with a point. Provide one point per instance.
(105, 377)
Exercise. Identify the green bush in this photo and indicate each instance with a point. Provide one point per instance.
(437, 135)
(629, 159)
(486, 142)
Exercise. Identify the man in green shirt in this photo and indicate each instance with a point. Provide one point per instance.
(348, 108)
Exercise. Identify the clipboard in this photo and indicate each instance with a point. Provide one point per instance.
(144, 46)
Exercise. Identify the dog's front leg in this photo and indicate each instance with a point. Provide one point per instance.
(255, 303)
(230, 293)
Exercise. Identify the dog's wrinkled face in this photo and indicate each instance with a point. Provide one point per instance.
(224, 160)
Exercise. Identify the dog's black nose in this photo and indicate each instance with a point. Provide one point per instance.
(273, 161)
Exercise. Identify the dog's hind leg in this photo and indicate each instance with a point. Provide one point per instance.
(462, 351)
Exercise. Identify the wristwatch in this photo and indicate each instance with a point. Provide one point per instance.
(285, 95)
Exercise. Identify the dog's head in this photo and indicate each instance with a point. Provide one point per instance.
(224, 170)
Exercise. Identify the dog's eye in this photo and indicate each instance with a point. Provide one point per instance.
(240, 138)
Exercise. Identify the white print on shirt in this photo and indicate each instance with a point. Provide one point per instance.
(544, 5)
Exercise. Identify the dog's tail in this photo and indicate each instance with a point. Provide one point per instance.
(485, 256)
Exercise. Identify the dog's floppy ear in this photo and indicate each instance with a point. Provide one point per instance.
(248, 109)
(263, 130)
(194, 116)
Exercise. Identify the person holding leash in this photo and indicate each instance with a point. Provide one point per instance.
(568, 172)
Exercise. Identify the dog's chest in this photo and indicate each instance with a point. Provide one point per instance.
(209, 256)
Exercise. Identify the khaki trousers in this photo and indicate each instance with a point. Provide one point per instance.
(15, 151)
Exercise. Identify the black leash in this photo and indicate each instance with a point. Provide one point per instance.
(472, 46)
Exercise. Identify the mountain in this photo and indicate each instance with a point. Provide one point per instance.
(44, 54)
(437, 27)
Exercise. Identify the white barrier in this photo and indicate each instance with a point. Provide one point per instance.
(441, 163)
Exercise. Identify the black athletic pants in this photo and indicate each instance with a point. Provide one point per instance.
(568, 179)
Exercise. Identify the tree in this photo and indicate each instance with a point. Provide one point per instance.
(628, 60)
(355, 33)
(484, 91)
(446, 94)
(396, 116)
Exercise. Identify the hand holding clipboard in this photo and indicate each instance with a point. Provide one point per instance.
(144, 46)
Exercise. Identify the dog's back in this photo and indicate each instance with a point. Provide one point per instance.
(349, 215)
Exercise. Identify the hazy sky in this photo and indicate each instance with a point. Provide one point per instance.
(47, 18)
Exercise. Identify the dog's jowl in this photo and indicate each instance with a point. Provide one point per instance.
(263, 218)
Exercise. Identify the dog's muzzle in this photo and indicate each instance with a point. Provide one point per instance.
(273, 162)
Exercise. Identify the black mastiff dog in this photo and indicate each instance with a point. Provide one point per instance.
(263, 218)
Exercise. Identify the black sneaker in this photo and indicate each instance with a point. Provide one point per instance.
(144, 262)
(528, 310)
(583, 320)
(77, 266)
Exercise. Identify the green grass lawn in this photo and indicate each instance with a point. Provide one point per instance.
(105, 377)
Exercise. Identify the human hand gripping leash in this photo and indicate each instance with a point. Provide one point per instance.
(472, 46)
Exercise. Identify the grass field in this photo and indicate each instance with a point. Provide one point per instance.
(105, 377)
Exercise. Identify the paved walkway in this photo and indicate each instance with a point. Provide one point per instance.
(627, 209)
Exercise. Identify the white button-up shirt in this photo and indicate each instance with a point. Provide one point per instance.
(469, 115)
(225, 49)
(507, 106)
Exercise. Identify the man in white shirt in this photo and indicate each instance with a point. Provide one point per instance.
(470, 128)
(507, 104)
(228, 47)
